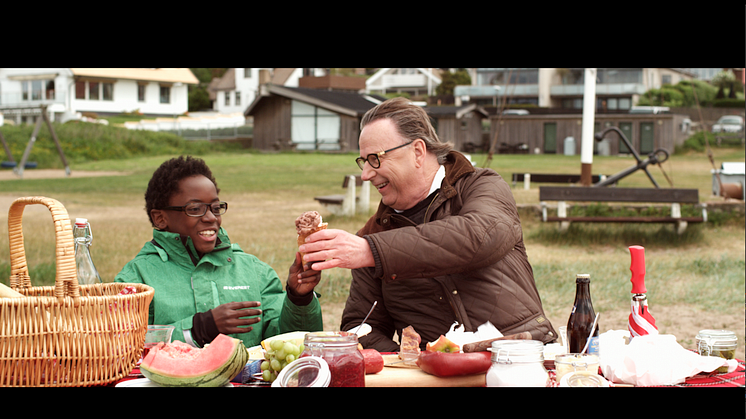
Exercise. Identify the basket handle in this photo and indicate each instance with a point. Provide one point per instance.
(66, 279)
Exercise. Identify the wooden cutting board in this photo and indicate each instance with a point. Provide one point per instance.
(400, 375)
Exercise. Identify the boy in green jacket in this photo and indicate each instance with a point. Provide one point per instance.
(204, 284)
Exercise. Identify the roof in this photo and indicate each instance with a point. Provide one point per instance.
(226, 82)
(351, 104)
(168, 75)
(457, 111)
(380, 73)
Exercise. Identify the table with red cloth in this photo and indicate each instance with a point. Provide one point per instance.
(737, 378)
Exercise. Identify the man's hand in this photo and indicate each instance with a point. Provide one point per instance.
(333, 248)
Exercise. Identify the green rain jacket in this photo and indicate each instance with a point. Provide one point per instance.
(184, 287)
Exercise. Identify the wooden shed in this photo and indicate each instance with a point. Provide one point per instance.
(307, 119)
(549, 133)
(461, 125)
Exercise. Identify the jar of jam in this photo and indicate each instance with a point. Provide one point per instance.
(720, 343)
(517, 363)
(339, 350)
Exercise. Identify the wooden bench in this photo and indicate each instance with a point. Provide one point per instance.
(675, 197)
(527, 178)
(348, 203)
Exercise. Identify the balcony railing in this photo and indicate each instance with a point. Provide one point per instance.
(403, 80)
(31, 99)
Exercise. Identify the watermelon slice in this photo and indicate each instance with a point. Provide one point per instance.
(177, 364)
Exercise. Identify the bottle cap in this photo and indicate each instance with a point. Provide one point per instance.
(81, 221)
(582, 277)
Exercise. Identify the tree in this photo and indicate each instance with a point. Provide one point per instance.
(199, 97)
(449, 81)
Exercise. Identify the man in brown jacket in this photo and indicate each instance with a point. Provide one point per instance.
(445, 245)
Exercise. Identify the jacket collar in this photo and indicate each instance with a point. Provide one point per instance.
(181, 249)
(456, 165)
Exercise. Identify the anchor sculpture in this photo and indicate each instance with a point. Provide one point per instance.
(653, 158)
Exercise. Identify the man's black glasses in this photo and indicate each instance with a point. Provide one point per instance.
(374, 159)
(199, 209)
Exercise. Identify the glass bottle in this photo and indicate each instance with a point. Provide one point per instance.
(87, 272)
(581, 319)
(339, 350)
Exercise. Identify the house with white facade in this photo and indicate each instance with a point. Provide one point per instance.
(617, 89)
(415, 81)
(239, 87)
(68, 93)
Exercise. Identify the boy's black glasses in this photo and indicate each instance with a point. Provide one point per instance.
(198, 209)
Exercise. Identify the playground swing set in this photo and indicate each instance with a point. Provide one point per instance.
(18, 168)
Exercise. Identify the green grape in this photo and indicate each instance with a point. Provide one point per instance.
(290, 358)
(289, 348)
(267, 375)
(264, 366)
(280, 354)
(276, 365)
(276, 344)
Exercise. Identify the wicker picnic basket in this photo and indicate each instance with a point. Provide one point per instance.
(67, 334)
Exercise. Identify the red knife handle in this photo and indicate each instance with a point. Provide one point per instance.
(637, 267)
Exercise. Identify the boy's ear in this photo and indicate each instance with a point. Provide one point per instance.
(160, 219)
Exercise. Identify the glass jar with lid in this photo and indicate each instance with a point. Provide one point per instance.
(720, 343)
(567, 363)
(517, 363)
(339, 350)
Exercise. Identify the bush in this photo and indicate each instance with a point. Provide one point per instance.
(729, 103)
(680, 94)
(697, 142)
(82, 141)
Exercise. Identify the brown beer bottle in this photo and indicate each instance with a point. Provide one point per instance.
(581, 319)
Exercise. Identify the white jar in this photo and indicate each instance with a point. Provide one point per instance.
(517, 363)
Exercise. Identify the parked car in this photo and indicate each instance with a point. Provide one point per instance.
(728, 123)
(650, 109)
(515, 112)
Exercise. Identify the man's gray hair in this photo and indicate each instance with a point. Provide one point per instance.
(411, 121)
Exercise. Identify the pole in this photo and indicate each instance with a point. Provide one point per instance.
(586, 139)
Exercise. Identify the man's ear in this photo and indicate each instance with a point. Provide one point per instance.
(160, 219)
(420, 151)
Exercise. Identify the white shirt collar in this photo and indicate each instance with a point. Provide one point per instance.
(439, 176)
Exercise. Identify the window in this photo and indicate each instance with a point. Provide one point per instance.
(499, 76)
(314, 128)
(666, 79)
(36, 92)
(247, 73)
(227, 98)
(165, 94)
(24, 90)
(93, 90)
(141, 93)
(108, 89)
(238, 98)
(79, 90)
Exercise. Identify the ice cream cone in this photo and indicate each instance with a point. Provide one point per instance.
(308, 223)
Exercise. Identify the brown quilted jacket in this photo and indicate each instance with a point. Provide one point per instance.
(466, 263)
